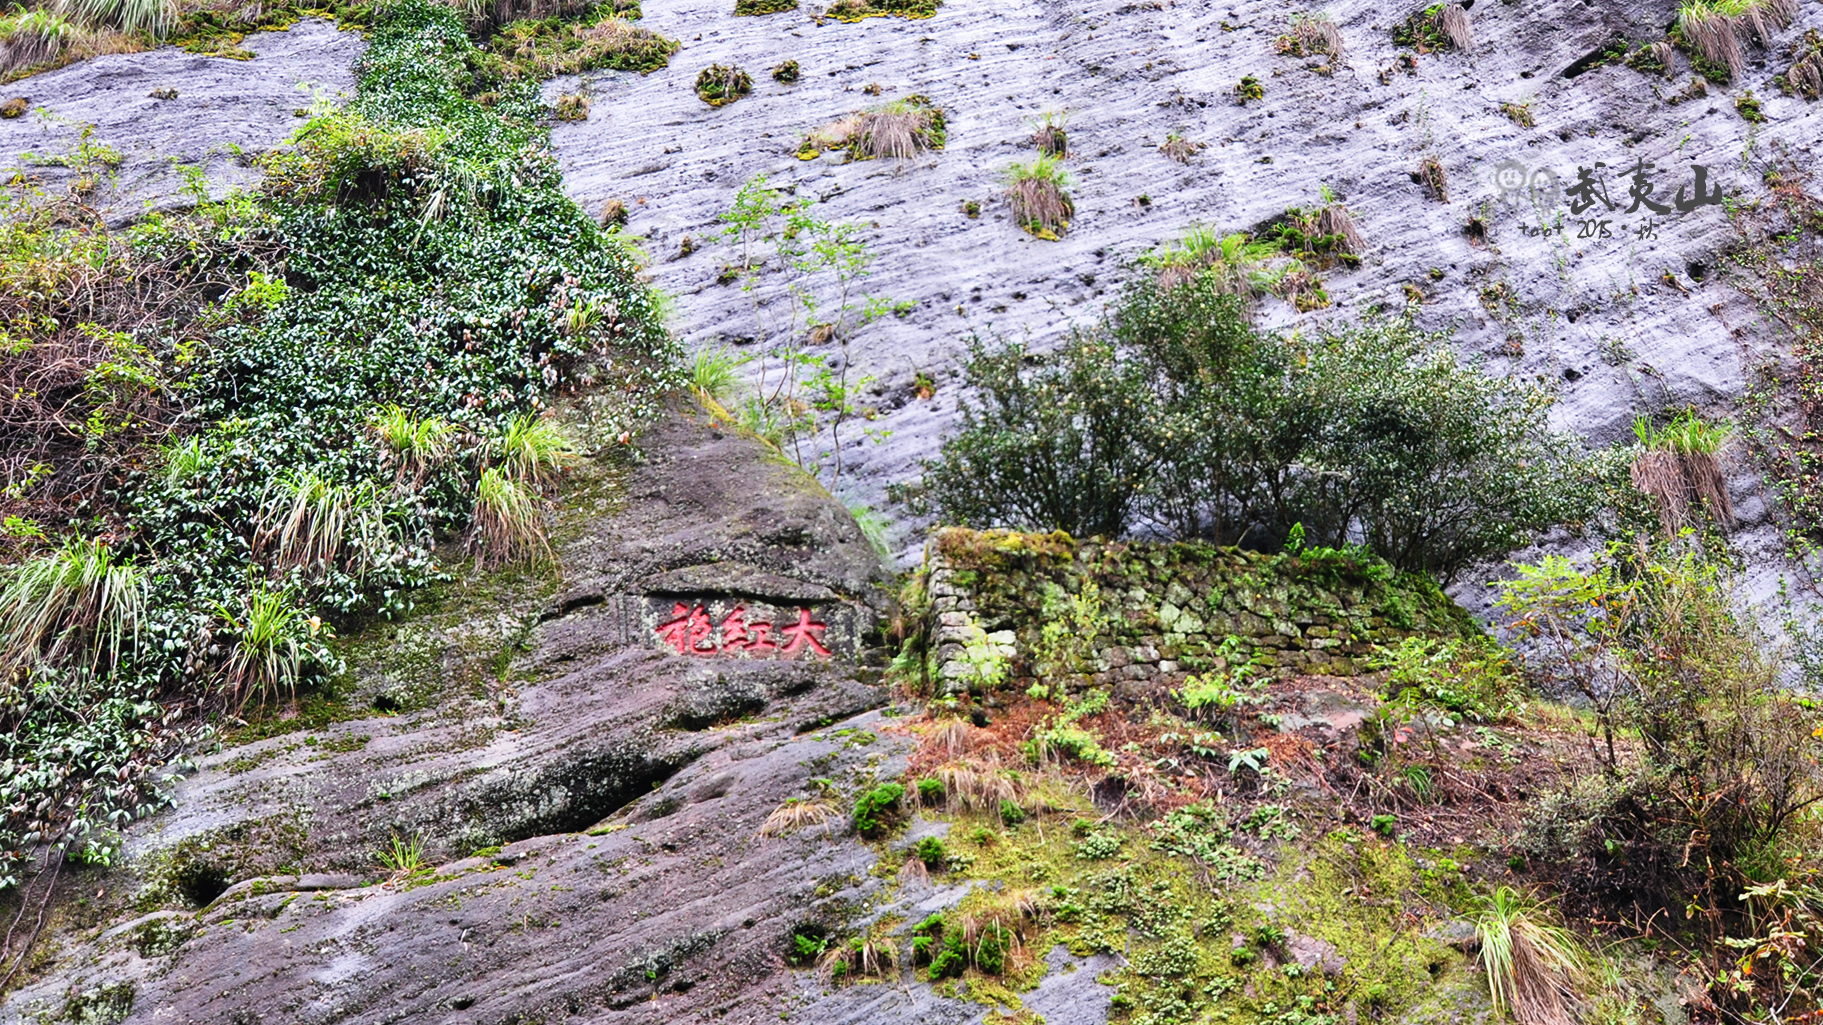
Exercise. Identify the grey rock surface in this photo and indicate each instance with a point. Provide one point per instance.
(1595, 317)
(224, 114)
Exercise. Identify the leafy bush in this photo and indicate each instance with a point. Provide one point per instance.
(1712, 814)
(876, 807)
(333, 355)
(1473, 680)
(930, 851)
(1179, 417)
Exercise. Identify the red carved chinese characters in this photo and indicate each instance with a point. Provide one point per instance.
(690, 631)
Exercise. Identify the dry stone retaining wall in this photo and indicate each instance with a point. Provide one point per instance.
(1165, 609)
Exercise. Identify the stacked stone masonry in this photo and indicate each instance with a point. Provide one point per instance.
(1150, 613)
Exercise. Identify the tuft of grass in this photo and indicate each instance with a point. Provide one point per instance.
(267, 654)
(787, 72)
(74, 605)
(1039, 194)
(1679, 463)
(1712, 29)
(756, 8)
(1534, 969)
(153, 17)
(613, 214)
(1805, 76)
(403, 857)
(185, 461)
(306, 520)
(901, 129)
(795, 814)
(415, 445)
(718, 86)
(533, 450)
(1238, 265)
(508, 520)
(1249, 88)
(1453, 22)
(547, 48)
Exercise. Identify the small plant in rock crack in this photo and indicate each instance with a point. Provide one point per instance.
(1179, 149)
(1039, 194)
(571, 107)
(1430, 175)
(787, 72)
(1249, 88)
(747, 8)
(719, 86)
(1048, 134)
(1519, 113)
(897, 130)
(404, 857)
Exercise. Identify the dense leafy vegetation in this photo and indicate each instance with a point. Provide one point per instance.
(1179, 416)
(334, 377)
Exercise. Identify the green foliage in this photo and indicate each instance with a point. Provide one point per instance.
(803, 278)
(930, 791)
(412, 251)
(1715, 797)
(1010, 812)
(1472, 680)
(930, 849)
(1249, 88)
(876, 807)
(404, 857)
(1178, 415)
(1067, 737)
(855, 10)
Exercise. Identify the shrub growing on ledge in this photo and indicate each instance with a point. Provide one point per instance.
(1039, 193)
(1179, 417)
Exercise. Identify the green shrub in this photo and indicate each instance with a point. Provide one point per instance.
(1010, 812)
(874, 808)
(1178, 415)
(930, 851)
(930, 791)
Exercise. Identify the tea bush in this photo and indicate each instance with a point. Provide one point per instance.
(1177, 416)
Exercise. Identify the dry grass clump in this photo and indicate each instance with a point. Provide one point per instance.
(1039, 194)
(1048, 134)
(1805, 76)
(1713, 28)
(1453, 22)
(977, 785)
(1311, 35)
(795, 814)
(897, 130)
(30, 38)
(1679, 464)
(545, 50)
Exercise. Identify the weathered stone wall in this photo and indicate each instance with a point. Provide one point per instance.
(1165, 609)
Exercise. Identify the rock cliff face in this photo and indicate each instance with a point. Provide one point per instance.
(590, 758)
